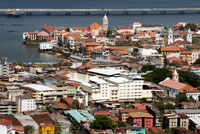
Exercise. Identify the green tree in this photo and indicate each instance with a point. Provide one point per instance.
(181, 98)
(74, 105)
(121, 124)
(148, 68)
(195, 41)
(109, 33)
(67, 29)
(187, 78)
(102, 122)
(197, 62)
(144, 100)
(74, 127)
(57, 127)
(160, 106)
(29, 129)
(192, 26)
(169, 106)
(158, 75)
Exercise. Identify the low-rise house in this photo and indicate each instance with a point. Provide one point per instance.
(142, 119)
(7, 107)
(26, 120)
(124, 113)
(80, 117)
(16, 124)
(46, 129)
(195, 55)
(180, 130)
(189, 105)
(43, 46)
(192, 113)
(194, 124)
(98, 113)
(64, 123)
(158, 119)
(6, 127)
(42, 118)
(175, 120)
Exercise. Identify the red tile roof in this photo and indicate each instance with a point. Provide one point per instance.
(132, 110)
(50, 38)
(125, 27)
(5, 122)
(67, 100)
(140, 114)
(176, 85)
(15, 122)
(102, 113)
(60, 105)
(95, 26)
(171, 48)
(115, 119)
(48, 28)
(42, 118)
(73, 84)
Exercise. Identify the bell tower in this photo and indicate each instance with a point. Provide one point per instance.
(105, 23)
(175, 76)
(170, 36)
(189, 36)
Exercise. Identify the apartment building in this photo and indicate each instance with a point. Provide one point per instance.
(43, 93)
(25, 104)
(4, 67)
(175, 120)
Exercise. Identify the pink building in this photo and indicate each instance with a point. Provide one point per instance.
(142, 119)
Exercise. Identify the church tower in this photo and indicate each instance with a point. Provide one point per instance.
(175, 76)
(105, 23)
(170, 37)
(189, 36)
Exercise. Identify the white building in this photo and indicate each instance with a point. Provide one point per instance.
(195, 55)
(114, 85)
(25, 104)
(135, 24)
(144, 28)
(110, 41)
(147, 52)
(4, 67)
(6, 127)
(45, 46)
(44, 94)
(191, 113)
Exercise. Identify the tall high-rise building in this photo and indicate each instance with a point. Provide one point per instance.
(4, 66)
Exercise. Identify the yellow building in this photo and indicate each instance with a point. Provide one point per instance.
(89, 47)
(46, 129)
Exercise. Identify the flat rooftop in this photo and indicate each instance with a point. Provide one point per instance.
(117, 79)
(38, 87)
(106, 71)
(98, 80)
(188, 111)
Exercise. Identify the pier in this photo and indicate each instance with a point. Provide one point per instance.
(143, 11)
